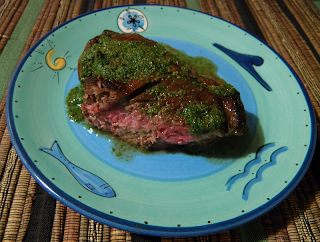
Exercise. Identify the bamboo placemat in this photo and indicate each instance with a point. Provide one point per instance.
(291, 27)
(10, 12)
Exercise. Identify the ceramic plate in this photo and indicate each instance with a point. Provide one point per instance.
(163, 194)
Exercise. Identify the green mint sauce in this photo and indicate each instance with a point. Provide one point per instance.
(74, 100)
(201, 64)
(203, 118)
(132, 60)
(125, 60)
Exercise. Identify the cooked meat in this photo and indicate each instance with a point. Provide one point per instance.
(138, 90)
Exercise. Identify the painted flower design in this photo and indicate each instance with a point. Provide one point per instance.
(132, 20)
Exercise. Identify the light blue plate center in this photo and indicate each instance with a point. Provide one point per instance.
(160, 165)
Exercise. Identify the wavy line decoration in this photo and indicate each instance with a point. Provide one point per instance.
(249, 164)
(88, 180)
(258, 174)
(247, 62)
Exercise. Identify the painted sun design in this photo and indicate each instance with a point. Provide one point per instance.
(56, 64)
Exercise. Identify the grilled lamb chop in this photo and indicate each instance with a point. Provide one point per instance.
(136, 89)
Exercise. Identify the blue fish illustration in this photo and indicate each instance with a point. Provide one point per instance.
(89, 181)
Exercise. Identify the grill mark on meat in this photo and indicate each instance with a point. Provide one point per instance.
(97, 87)
(111, 84)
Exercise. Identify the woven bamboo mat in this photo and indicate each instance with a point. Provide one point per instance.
(10, 12)
(291, 27)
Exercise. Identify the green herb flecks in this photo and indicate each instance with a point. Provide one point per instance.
(224, 90)
(125, 60)
(203, 117)
(73, 103)
(202, 65)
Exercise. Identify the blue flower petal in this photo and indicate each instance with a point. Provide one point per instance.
(133, 21)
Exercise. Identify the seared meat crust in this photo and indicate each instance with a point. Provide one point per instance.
(163, 103)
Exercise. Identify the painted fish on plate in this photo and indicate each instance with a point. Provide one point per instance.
(88, 180)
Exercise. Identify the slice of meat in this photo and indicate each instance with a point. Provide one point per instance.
(138, 90)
